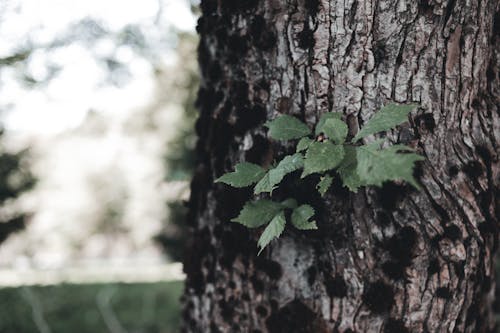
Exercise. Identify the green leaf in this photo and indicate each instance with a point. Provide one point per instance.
(324, 117)
(301, 216)
(304, 143)
(348, 170)
(274, 176)
(245, 174)
(289, 203)
(257, 213)
(324, 184)
(272, 231)
(286, 127)
(321, 157)
(336, 130)
(388, 117)
(377, 165)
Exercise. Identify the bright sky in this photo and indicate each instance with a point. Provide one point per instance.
(77, 88)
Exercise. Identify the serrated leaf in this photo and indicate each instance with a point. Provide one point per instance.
(324, 117)
(272, 231)
(348, 169)
(377, 165)
(388, 117)
(257, 213)
(274, 176)
(324, 184)
(289, 203)
(303, 144)
(301, 216)
(245, 174)
(321, 157)
(336, 130)
(286, 127)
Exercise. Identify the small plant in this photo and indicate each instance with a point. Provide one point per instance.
(321, 153)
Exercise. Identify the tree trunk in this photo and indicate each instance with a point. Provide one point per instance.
(390, 259)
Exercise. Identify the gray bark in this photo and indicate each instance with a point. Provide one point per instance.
(392, 259)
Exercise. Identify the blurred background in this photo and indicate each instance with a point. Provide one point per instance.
(96, 153)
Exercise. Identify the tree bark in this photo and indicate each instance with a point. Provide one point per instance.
(390, 259)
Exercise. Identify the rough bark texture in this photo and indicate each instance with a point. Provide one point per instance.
(384, 260)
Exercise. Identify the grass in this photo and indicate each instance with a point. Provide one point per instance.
(91, 308)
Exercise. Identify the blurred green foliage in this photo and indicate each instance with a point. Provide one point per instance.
(91, 308)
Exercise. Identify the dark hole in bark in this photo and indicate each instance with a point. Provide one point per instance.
(214, 328)
(235, 240)
(460, 268)
(496, 24)
(257, 284)
(472, 313)
(487, 228)
(221, 36)
(274, 304)
(390, 194)
(239, 93)
(293, 317)
(486, 285)
(312, 7)
(476, 104)
(379, 53)
(203, 55)
(267, 41)
(270, 267)
(311, 274)
(336, 286)
(473, 169)
(257, 26)
(452, 232)
(453, 171)
(395, 326)
(208, 6)
(214, 72)
(261, 311)
(249, 118)
(306, 37)
(237, 6)
(418, 171)
(426, 121)
(490, 74)
(238, 44)
(485, 154)
(424, 8)
(394, 270)
(449, 10)
(443, 292)
(435, 240)
(441, 212)
(383, 218)
(433, 267)
(400, 246)
(226, 310)
(378, 297)
(259, 150)
(233, 197)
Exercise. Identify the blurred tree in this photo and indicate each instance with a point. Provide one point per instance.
(15, 180)
(180, 156)
(389, 259)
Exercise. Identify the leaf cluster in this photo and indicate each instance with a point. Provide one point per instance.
(324, 152)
